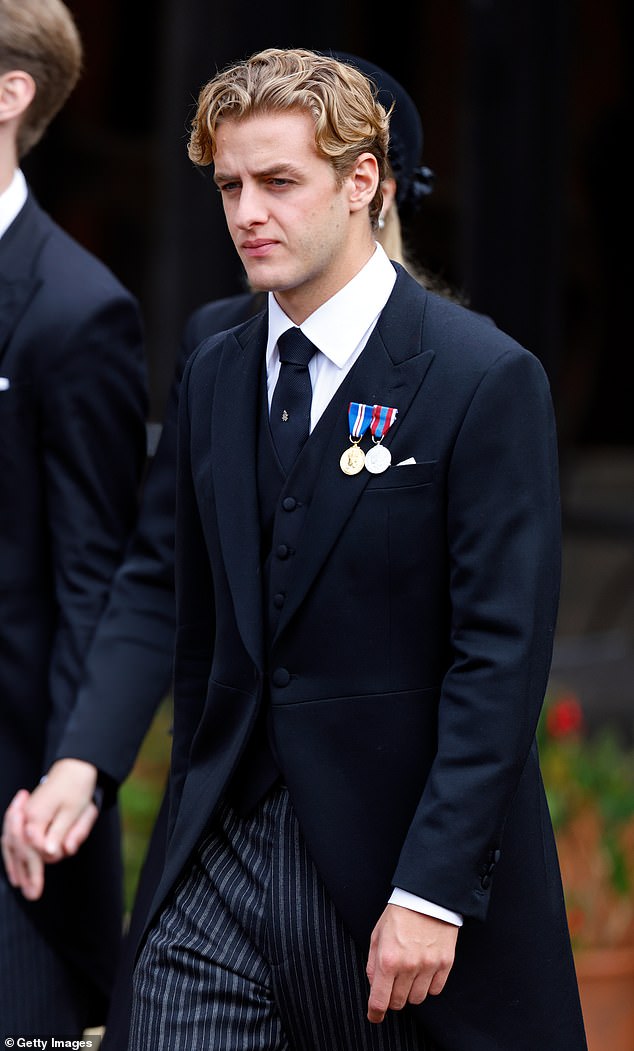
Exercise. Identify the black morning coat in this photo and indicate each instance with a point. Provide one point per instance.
(409, 657)
(72, 448)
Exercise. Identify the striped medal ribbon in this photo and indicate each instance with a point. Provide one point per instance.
(359, 419)
(379, 457)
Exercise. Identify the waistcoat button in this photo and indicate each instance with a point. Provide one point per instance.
(281, 677)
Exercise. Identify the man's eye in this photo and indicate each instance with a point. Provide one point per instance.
(227, 187)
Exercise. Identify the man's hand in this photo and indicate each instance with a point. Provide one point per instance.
(60, 813)
(410, 957)
(49, 824)
(25, 868)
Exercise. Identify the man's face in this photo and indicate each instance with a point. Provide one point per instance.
(288, 218)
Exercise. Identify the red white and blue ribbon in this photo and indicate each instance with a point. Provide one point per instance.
(382, 419)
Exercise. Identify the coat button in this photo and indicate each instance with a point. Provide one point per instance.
(485, 882)
(283, 551)
(281, 677)
(289, 503)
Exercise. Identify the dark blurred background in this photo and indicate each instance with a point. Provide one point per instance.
(525, 106)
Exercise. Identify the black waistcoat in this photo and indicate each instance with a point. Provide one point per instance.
(258, 769)
(283, 503)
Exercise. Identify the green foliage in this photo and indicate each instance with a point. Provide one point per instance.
(589, 781)
(140, 797)
(579, 769)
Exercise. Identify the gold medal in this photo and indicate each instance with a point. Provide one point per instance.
(352, 459)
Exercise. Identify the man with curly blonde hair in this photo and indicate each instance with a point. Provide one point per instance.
(366, 561)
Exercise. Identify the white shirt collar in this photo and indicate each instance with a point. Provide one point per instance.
(12, 200)
(351, 312)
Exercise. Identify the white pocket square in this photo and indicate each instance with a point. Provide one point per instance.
(404, 463)
(4, 383)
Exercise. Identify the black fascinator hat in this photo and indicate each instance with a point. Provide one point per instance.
(413, 180)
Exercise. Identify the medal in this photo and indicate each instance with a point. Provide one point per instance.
(378, 458)
(359, 417)
(352, 459)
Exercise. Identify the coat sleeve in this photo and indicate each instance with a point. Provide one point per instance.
(93, 407)
(129, 667)
(503, 531)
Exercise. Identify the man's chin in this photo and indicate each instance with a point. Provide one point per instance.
(268, 283)
(264, 278)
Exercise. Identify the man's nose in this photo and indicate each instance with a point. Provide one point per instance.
(251, 207)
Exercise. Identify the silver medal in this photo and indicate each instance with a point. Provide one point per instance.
(378, 459)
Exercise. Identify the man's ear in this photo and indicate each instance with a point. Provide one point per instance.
(17, 90)
(364, 179)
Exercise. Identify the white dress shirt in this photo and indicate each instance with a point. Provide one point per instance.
(11, 203)
(12, 200)
(352, 314)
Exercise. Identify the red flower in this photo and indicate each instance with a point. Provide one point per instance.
(565, 718)
(576, 920)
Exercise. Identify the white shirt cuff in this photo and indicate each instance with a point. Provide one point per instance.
(412, 901)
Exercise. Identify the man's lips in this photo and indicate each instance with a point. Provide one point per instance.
(258, 247)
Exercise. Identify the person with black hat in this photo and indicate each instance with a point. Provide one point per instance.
(129, 669)
(408, 182)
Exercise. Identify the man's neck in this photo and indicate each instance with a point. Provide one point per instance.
(300, 303)
(8, 161)
(12, 200)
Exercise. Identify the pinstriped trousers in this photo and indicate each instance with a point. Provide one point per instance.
(250, 954)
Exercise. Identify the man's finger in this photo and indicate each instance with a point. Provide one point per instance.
(31, 874)
(45, 824)
(437, 983)
(47, 832)
(80, 830)
(25, 868)
(401, 991)
(12, 833)
(380, 996)
(421, 988)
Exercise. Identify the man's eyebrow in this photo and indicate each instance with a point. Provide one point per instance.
(275, 171)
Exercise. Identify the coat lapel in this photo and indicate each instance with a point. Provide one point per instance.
(14, 297)
(19, 247)
(234, 419)
(389, 372)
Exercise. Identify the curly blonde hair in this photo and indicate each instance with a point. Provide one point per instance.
(348, 118)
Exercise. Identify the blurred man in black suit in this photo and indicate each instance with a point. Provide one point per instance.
(72, 419)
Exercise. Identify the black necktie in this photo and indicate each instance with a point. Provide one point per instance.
(290, 405)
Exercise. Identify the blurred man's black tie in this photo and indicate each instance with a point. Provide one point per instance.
(290, 405)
